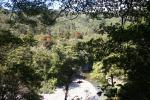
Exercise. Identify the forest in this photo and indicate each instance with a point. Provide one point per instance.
(106, 42)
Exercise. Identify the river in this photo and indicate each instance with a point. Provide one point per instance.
(79, 89)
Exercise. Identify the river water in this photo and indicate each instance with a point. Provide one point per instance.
(79, 89)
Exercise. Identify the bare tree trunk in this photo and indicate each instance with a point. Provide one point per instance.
(66, 91)
(69, 80)
(112, 80)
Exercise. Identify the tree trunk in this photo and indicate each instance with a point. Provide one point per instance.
(66, 91)
(112, 80)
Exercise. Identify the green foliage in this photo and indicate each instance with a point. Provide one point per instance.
(42, 62)
(20, 61)
(83, 24)
(48, 86)
(7, 38)
(67, 63)
(17, 75)
(98, 74)
(28, 39)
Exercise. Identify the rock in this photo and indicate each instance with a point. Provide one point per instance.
(79, 82)
(99, 93)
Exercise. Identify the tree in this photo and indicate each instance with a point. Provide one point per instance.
(68, 65)
(44, 66)
(19, 79)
